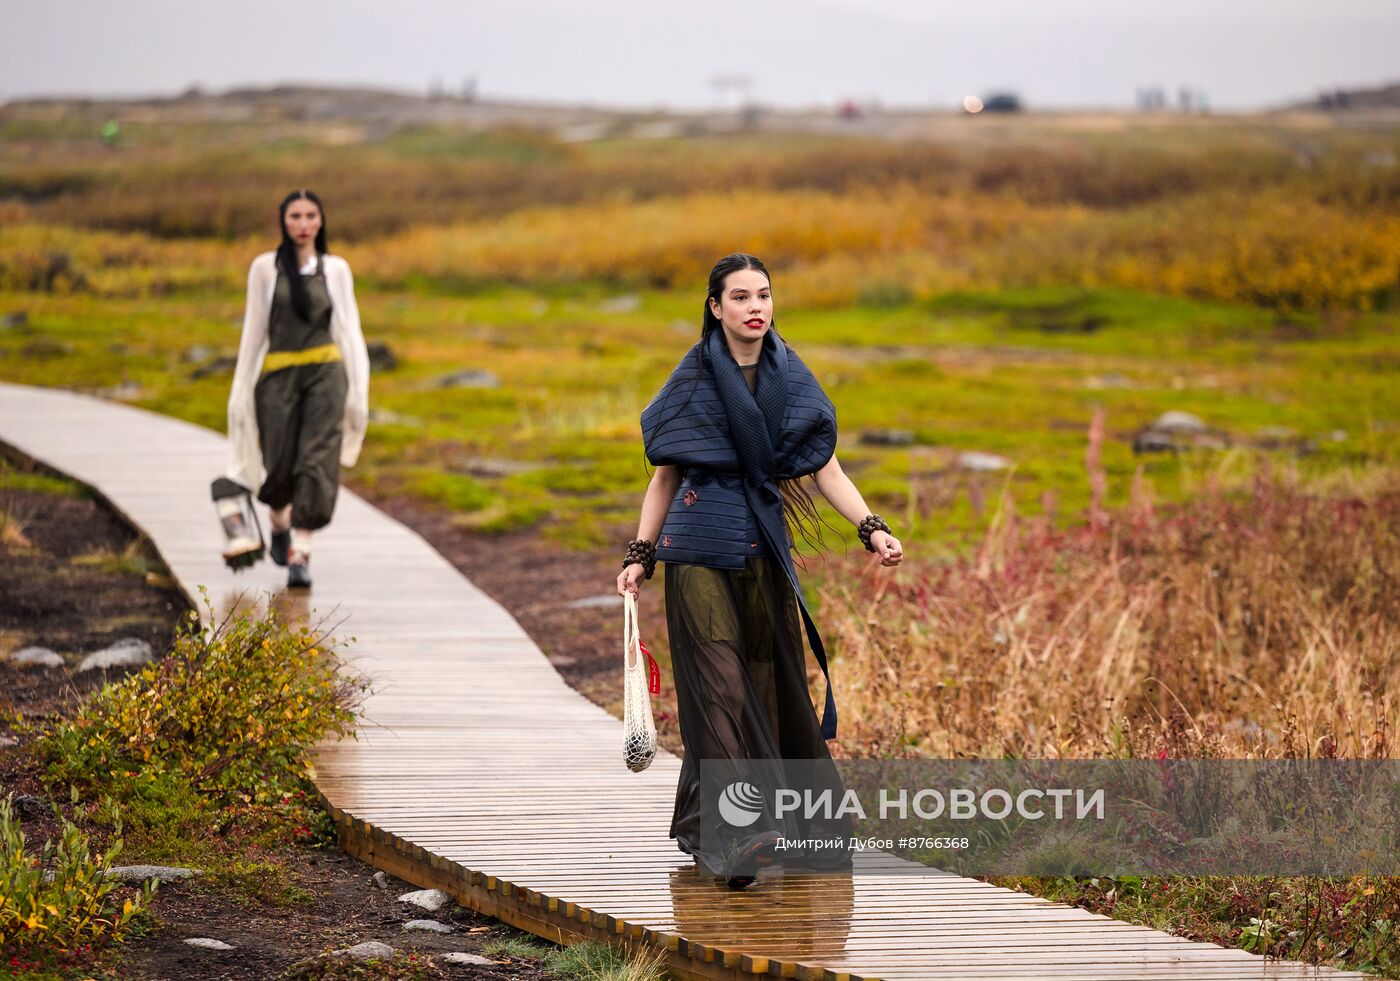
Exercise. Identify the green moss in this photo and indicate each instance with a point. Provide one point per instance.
(38, 483)
(964, 371)
(457, 491)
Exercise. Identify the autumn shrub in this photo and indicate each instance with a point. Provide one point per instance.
(61, 896)
(233, 711)
(863, 247)
(1264, 623)
(41, 259)
(1348, 924)
(182, 184)
(653, 243)
(1270, 250)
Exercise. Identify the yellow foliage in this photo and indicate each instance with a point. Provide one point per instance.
(1278, 248)
(676, 240)
(60, 897)
(1268, 249)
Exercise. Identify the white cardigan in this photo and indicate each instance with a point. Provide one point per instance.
(245, 451)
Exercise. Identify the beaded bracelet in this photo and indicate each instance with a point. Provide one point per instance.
(870, 524)
(643, 552)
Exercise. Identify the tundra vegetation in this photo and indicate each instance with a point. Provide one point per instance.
(999, 321)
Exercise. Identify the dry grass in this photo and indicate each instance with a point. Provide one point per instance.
(1262, 623)
(1262, 216)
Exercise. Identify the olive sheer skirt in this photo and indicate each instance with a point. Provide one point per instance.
(741, 687)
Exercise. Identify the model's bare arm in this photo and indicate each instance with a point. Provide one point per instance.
(665, 480)
(842, 494)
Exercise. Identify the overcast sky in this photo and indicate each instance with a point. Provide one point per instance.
(1243, 54)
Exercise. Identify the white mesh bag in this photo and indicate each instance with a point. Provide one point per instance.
(638, 727)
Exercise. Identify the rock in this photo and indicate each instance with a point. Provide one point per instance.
(17, 319)
(605, 601)
(381, 881)
(1338, 435)
(208, 943)
(371, 950)
(626, 303)
(1110, 380)
(471, 378)
(887, 437)
(1178, 422)
(127, 391)
(429, 899)
(125, 653)
(429, 926)
(982, 462)
(490, 466)
(1276, 437)
(8, 741)
(1174, 431)
(1152, 441)
(380, 357)
(561, 660)
(28, 807)
(217, 366)
(460, 958)
(199, 354)
(37, 657)
(46, 347)
(141, 873)
(388, 417)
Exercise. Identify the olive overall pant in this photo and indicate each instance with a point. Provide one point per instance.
(300, 402)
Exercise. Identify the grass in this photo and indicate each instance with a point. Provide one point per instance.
(129, 560)
(964, 371)
(994, 293)
(1165, 629)
(16, 515)
(984, 298)
(586, 961)
(1351, 922)
(1257, 620)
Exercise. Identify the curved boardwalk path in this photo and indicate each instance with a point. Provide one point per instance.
(477, 770)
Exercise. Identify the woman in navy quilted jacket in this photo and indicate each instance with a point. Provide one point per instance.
(740, 421)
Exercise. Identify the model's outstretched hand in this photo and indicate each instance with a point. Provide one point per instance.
(887, 547)
(630, 579)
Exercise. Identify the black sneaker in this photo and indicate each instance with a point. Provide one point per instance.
(280, 546)
(298, 576)
(745, 859)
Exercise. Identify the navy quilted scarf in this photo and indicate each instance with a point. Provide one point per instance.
(705, 416)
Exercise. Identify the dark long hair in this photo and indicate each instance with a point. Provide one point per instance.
(798, 506)
(287, 251)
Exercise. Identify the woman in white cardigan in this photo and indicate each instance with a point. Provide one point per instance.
(300, 399)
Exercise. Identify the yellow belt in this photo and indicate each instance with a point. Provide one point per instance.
(277, 360)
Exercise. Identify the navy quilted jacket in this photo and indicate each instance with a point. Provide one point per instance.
(734, 446)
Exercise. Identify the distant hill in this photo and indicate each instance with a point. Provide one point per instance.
(322, 103)
(350, 115)
(1387, 97)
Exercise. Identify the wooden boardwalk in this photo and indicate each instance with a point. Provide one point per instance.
(479, 771)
